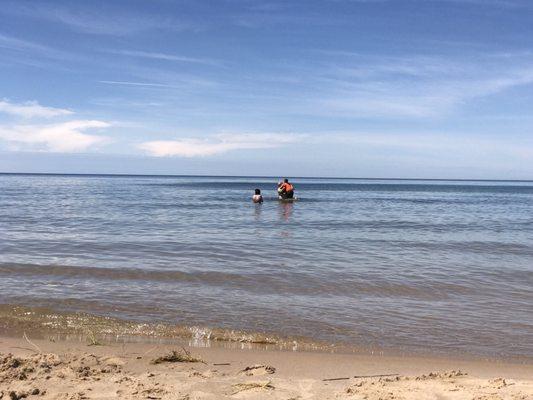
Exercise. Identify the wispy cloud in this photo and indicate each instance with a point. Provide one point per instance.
(13, 43)
(222, 143)
(102, 20)
(17, 46)
(66, 137)
(128, 83)
(409, 86)
(31, 109)
(161, 78)
(164, 57)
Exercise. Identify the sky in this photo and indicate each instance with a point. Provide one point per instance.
(347, 88)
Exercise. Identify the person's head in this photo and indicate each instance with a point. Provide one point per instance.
(257, 191)
(286, 180)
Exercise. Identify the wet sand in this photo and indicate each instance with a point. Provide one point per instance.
(32, 368)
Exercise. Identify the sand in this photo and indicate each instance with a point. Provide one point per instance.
(44, 369)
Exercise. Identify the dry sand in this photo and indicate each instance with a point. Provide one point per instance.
(41, 369)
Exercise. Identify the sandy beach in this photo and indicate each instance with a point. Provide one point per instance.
(31, 368)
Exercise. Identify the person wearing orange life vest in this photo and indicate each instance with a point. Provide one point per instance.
(286, 190)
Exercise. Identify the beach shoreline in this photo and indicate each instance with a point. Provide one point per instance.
(79, 370)
(48, 324)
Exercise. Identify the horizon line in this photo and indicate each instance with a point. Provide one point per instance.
(262, 176)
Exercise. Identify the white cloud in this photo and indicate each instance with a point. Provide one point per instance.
(31, 109)
(66, 137)
(189, 147)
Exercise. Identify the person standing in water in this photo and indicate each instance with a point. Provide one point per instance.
(257, 197)
(286, 190)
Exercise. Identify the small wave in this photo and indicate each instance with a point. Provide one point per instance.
(348, 284)
(43, 321)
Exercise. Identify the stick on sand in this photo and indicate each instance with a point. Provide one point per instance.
(30, 342)
(335, 379)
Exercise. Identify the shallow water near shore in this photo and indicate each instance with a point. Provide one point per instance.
(441, 266)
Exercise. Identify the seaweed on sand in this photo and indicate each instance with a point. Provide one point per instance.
(258, 369)
(241, 387)
(178, 356)
(93, 341)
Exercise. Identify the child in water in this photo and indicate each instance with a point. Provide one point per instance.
(257, 197)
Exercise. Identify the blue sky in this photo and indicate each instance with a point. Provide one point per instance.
(360, 88)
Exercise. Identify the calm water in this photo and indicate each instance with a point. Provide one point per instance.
(409, 265)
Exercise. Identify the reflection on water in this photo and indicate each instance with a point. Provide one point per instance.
(285, 210)
(258, 208)
(433, 265)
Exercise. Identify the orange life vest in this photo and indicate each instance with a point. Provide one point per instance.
(287, 187)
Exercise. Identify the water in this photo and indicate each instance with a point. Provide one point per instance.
(435, 266)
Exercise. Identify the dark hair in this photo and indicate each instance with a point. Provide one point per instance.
(286, 180)
(257, 191)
